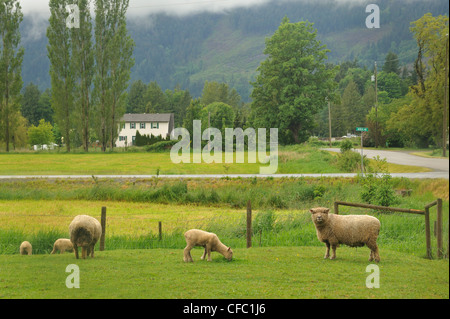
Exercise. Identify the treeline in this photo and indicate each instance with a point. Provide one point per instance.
(90, 64)
(409, 108)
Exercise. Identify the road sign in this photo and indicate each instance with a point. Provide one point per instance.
(362, 129)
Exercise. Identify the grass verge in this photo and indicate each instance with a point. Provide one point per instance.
(275, 272)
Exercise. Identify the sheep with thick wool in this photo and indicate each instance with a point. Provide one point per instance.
(210, 241)
(350, 230)
(84, 231)
(62, 245)
(25, 248)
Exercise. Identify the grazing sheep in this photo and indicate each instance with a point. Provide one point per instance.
(25, 248)
(62, 245)
(350, 230)
(84, 231)
(209, 241)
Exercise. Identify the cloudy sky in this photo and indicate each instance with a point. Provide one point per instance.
(176, 7)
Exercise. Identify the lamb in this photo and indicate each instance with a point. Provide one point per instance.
(350, 230)
(25, 248)
(209, 241)
(62, 245)
(84, 231)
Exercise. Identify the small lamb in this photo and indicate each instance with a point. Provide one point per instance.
(350, 230)
(84, 231)
(62, 245)
(209, 241)
(25, 248)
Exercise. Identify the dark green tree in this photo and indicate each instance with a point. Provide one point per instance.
(59, 50)
(11, 57)
(293, 82)
(391, 64)
(83, 66)
(136, 99)
(30, 104)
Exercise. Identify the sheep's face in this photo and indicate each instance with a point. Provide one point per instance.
(319, 215)
(83, 238)
(229, 254)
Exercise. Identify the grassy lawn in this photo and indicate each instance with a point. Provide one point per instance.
(275, 272)
(292, 159)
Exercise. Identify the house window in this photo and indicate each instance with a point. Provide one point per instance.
(132, 125)
(142, 126)
(122, 138)
(155, 125)
(133, 140)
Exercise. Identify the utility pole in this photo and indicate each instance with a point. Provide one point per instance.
(329, 120)
(376, 107)
(445, 124)
(209, 132)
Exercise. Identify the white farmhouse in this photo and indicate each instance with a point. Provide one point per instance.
(155, 124)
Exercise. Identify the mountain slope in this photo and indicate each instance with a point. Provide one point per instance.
(228, 47)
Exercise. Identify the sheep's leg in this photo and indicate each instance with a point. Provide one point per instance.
(187, 254)
(327, 254)
(62, 250)
(75, 248)
(204, 254)
(208, 250)
(333, 251)
(92, 250)
(83, 252)
(374, 253)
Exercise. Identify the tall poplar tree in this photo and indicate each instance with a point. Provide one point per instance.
(121, 48)
(59, 50)
(83, 66)
(11, 57)
(113, 51)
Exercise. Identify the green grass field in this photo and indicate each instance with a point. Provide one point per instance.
(274, 272)
(292, 159)
(286, 260)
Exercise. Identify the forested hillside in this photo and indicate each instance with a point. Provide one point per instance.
(189, 50)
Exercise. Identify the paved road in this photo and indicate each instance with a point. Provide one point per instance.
(403, 158)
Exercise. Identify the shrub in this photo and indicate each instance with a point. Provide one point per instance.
(160, 146)
(346, 145)
(378, 190)
(350, 161)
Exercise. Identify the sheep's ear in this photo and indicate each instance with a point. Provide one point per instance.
(326, 211)
(229, 248)
(312, 211)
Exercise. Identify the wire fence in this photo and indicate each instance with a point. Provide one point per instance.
(267, 228)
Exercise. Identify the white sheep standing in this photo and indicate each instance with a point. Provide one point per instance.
(62, 245)
(210, 241)
(84, 231)
(350, 230)
(25, 248)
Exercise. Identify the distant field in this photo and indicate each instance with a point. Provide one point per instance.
(267, 272)
(295, 160)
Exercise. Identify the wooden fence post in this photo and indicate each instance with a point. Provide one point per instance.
(249, 224)
(336, 208)
(439, 228)
(427, 232)
(160, 230)
(103, 223)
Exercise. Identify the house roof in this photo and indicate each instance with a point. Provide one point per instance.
(146, 117)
